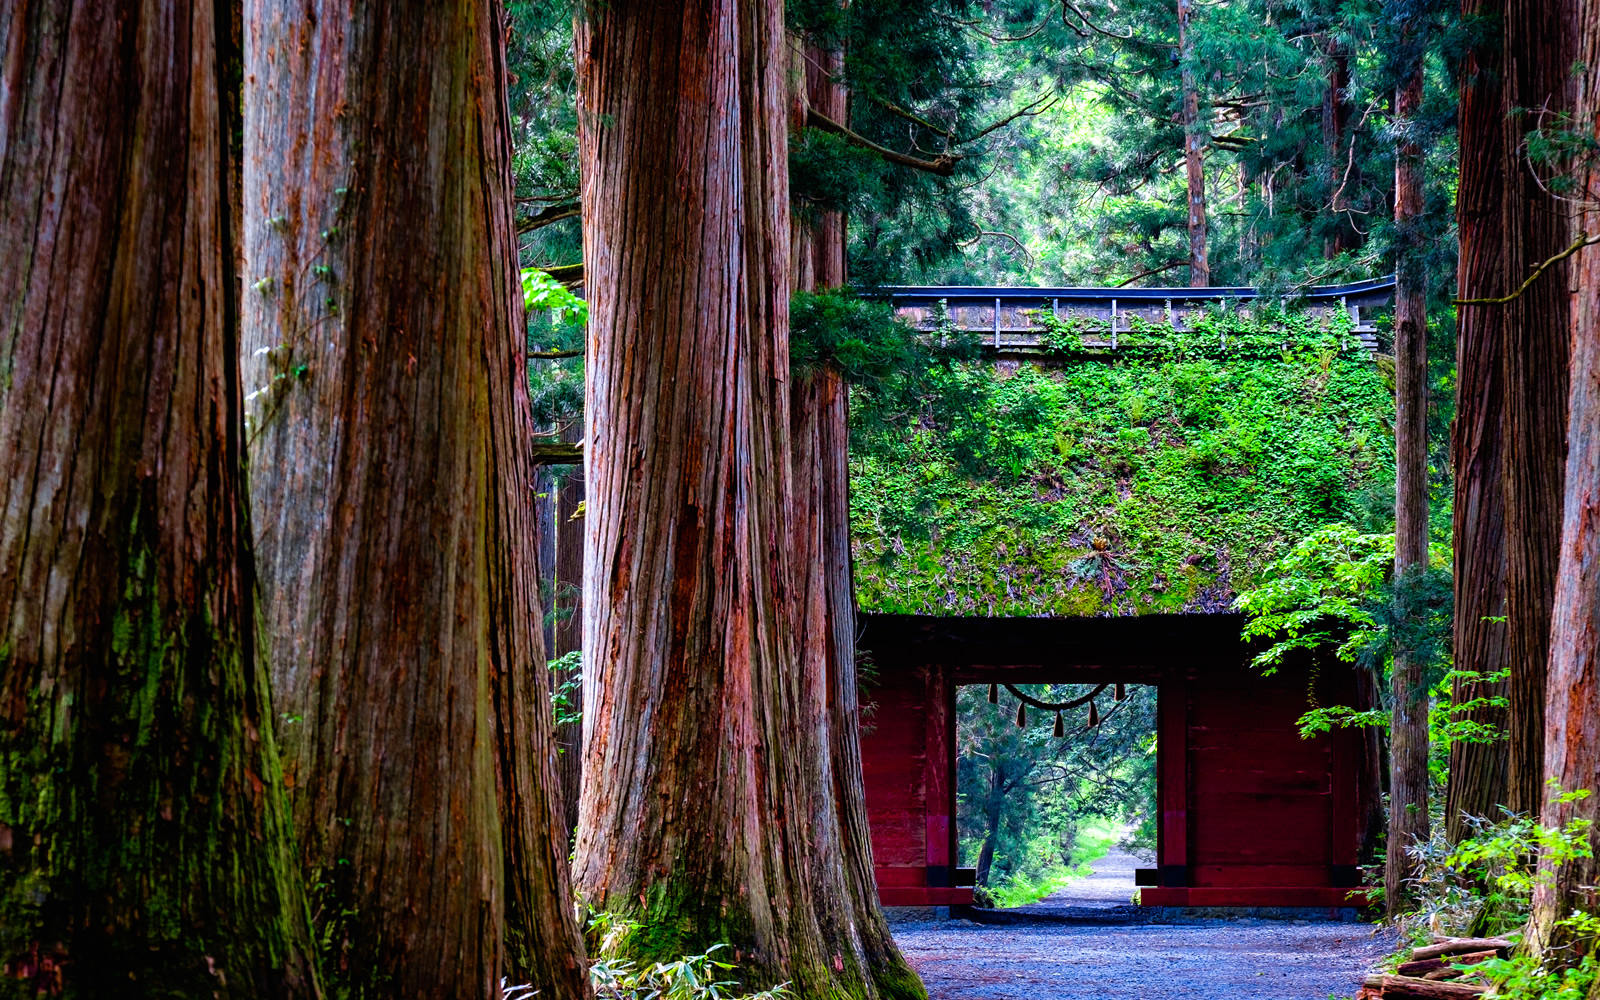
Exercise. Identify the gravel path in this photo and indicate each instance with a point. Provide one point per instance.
(1110, 885)
(960, 960)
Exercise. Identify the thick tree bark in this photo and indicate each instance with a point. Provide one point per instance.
(844, 883)
(1535, 226)
(696, 695)
(1338, 144)
(145, 848)
(1193, 153)
(567, 595)
(991, 830)
(1478, 770)
(1408, 730)
(390, 426)
(1572, 710)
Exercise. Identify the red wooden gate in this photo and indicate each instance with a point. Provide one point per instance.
(1251, 813)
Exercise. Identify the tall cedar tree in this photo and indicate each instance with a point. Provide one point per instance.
(1535, 226)
(1478, 767)
(389, 472)
(1193, 152)
(841, 845)
(695, 708)
(1408, 731)
(1572, 708)
(144, 840)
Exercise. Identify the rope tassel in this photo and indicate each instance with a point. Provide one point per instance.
(1094, 715)
(1022, 715)
(994, 694)
(1061, 730)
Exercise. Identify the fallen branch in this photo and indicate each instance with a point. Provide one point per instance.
(567, 274)
(546, 216)
(556, 453)
(944, 164)
(1407, 988)
(1457, 946)
(555, 355)
(1583, 240)
(1440, 968)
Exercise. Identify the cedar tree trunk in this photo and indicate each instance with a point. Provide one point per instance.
(843, 881)
(1193, 148)
(1478, 769)
(389, 424)
(1338, 144)
(1535, 227)
(1572, 710)
(1408, 731)
(699, 755)
(145, 848)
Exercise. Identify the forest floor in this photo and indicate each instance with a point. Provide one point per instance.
(1044, 953)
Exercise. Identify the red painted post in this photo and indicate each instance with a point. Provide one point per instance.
(1172, 765)
(939, 775)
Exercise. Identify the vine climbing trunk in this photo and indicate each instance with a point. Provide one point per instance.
(390, 424)
(699, 705)
(1572, 708)
(1193, 151)
(1535, 226)
(843, 881)
(1478, 766)
(145, 848)
(1408, 730)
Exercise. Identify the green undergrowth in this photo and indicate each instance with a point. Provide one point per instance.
(1092, 841)
(1164, 479)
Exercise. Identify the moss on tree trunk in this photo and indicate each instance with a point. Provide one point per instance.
(145, 847)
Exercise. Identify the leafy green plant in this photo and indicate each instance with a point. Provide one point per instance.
(694, 977)
(1485, 883)
(566, 697)
(540, 291)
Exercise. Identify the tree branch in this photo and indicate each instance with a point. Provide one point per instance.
(1154, 270)
(1067, 5)
(1583, 240)
(555, 355)
(1029, 111)
(545, 216)
(567, 274)
(944, 165)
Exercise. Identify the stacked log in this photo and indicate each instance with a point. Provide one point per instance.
(1426, 975)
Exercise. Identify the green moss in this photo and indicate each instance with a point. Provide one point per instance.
(144, 845)
(1159, 480)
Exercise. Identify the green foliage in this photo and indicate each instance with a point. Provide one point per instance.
(566, 697)
(1163, 479)
(1319, 595)
(557, 320)
(693, 977)
(540, 291)
(1041, 807)
(1485, 885)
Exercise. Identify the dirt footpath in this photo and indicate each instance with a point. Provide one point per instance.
(960, 960)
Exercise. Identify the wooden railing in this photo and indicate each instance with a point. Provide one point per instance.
(1009, 318)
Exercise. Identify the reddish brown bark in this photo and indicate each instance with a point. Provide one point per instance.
(144, 843)
(1478, 769)
(697, 698)
(1572, 710)
(1193, 154)
(841, 848)
(390, 476)
(1408, 730)
(1535, 226)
